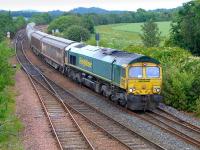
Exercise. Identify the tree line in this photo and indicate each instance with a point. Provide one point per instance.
(140, 15)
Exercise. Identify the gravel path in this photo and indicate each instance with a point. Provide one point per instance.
(36, 134)
(136, 124)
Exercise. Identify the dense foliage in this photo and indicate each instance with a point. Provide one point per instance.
(75, 28)
(9, 124)
(8, 24)
(186, 29)
(151, 35)
(140, 15)
(77, 33)
(103, 17)
(40, 19)
(63, 23)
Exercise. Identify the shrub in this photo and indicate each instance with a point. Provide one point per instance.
(151, 34)
(63, 23)
(9, 124)
(198, 106)
(77, 33)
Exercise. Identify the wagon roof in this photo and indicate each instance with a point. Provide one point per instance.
(56, 41)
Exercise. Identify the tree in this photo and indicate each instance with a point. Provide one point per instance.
(64, 22)
(20, 22)
(151, 34)
(43, 18)
(88, 23)
(1, 36)
(77, 33)
(185, 30)
(7, 24)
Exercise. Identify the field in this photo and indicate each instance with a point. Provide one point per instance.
(122, 35)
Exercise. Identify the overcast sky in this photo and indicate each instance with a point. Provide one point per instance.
(46, 5)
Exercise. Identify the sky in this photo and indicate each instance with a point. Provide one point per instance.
(66, 5)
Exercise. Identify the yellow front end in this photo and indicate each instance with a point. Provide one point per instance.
(144, 79)
(143, 84)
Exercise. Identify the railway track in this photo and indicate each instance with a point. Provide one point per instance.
(68, 133)
(119, 132)
(167, 122)
(59, 122)
(67, 130)
(107, 124)
(180, 128)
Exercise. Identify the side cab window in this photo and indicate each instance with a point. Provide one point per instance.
(72, 60)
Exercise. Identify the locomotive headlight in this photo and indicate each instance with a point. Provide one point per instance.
(131, 90)
(156, 89)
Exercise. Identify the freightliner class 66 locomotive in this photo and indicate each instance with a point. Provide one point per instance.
(132, 80)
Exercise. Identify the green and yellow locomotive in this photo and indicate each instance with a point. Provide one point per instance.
(132, 80)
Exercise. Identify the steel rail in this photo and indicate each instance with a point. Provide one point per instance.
(172, 130)
(178, 120)
(106, 116)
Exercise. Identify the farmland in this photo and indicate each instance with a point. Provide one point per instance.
(122, 35)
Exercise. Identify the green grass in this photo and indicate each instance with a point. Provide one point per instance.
(123, 35)
(164, 27)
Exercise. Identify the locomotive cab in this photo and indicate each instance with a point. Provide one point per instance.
(144, 83)
(144, 79)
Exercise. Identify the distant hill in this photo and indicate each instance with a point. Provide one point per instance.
(56, 13)
(80, 10)
(95, 10)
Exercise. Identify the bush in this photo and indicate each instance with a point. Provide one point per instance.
(198, 106)
(63, 23)
(151, 34)
(77, 33)
(9, 124)
(185, 31)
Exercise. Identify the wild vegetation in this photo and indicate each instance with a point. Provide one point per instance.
(76, 33)
(8, 24)
(151, 34)
(186, 29)
(41, 19)
(140, 15)
(9, 123)
(72, 27)
(121, 35)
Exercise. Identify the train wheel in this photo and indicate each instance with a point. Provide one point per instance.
(122, 102)
(113, 98)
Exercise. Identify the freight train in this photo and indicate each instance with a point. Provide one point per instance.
(131, 80)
